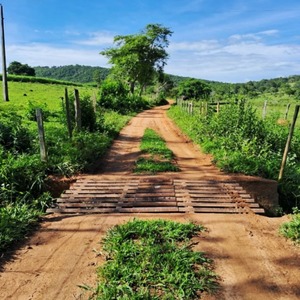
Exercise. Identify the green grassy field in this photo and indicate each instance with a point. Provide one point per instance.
(21, 93)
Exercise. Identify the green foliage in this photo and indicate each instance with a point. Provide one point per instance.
(21, 177)
(17, 68)
(34, 79)
(153, 166)
(194, 89)
(73, 73)
(15, 221)
(88, 114)
(153, 144)
(153, 260)
(156, 157)
(32, 107)
(22, 174)
(114, 95)
(137, 58)
(242, 142)
(14, 137)
(291, 229)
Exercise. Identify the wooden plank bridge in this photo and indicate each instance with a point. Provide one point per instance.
(154, 195)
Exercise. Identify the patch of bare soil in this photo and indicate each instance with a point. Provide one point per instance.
(253, 261)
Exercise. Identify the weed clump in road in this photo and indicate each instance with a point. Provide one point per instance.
(156, 156)
(153, 260)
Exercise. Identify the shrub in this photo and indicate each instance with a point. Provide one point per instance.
(113, 95)
(291, 229)
(242, 142)
(15, 221)
(14, 136)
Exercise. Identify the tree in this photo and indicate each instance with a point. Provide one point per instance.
(194, 89)
(17, 68)
(137, 58)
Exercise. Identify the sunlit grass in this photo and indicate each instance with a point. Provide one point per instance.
(156, 156)
(153, 260)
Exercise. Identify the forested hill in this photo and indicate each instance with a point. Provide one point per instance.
(82, 74)
(74, 73)
(85, 74)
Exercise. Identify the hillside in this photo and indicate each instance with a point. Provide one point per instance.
(74, 73)
(84, 74)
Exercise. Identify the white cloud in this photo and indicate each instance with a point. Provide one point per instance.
(97, 39)
(234, 60)
(46, 55)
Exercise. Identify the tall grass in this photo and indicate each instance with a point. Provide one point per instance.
(23, 177)
(243, 142)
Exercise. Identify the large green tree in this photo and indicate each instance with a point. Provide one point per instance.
(17, 68)
(137, 58)
(194, 89)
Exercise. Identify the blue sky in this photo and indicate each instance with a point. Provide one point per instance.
(222, 40)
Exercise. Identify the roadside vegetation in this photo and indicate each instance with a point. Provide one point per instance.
(241, 142)
(291, 229)
(153, 260)
(156, 156)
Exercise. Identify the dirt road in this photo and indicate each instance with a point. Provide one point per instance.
(253, 261)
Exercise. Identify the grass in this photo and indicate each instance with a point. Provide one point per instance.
(22, 93)
(153, 260)
(156, 156)
(15, 221)
(291, 230)
(23, 177)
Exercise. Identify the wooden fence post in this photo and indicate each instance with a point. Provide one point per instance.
(39, 118)
(4, 71)
(218, 107)
(94, 101)
(77, 110)
(68, 114)
(264, 110)
(287, 111)
(288, 142)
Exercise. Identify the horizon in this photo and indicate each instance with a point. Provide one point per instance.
(61, 66)
(230, 42)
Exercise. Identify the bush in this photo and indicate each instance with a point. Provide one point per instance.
(21, 177)
(33, 106)
(14, 136)
(114, 95)
(15, 221)
(291, 229)
(242, 142)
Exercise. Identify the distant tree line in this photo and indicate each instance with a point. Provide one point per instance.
(74, 73)
(87, 74)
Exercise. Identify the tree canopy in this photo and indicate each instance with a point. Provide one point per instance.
(17, 68)
(137, 58)
(194, 89)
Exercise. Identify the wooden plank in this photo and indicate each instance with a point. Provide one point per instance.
(142, 195)
(87, 205)
(149, 199)
(149, 210)
(90, 191)
(87, 199)
(81, 210)
(150, 204)
(91, 195)
(232, 204)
